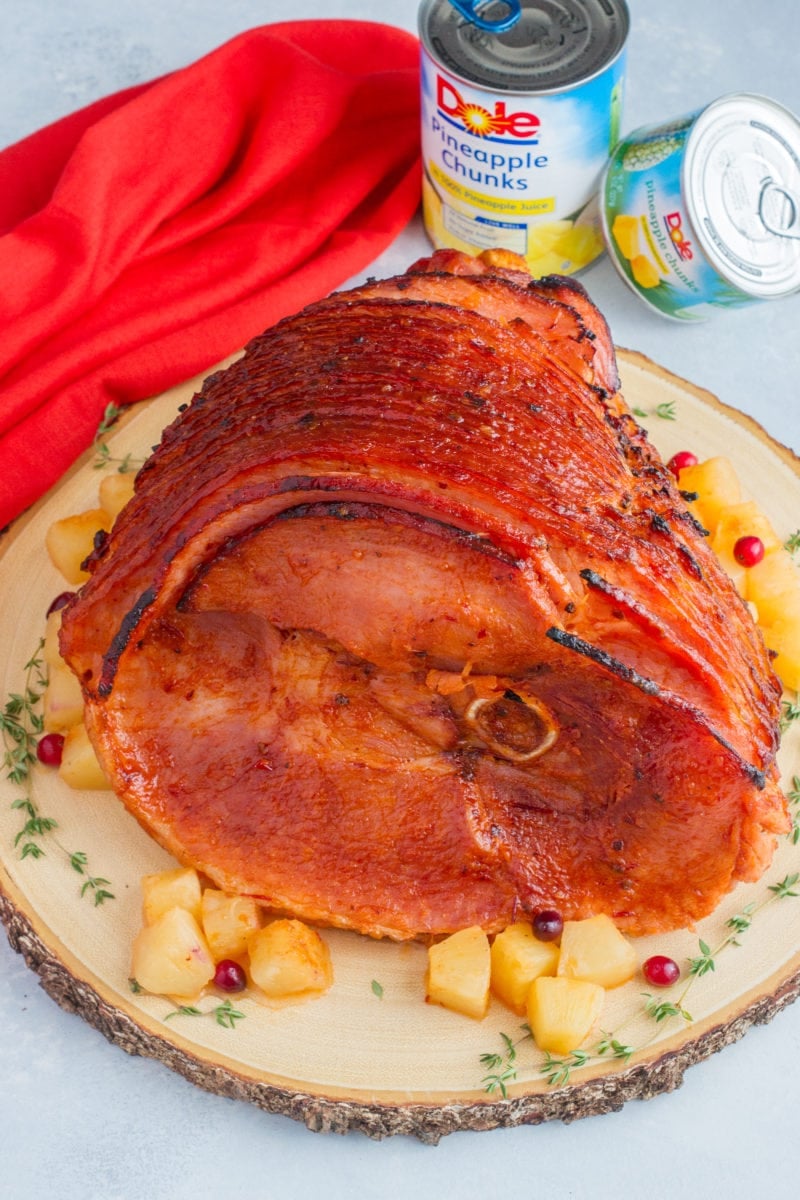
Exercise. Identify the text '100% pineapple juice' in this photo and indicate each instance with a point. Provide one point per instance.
(521, 107)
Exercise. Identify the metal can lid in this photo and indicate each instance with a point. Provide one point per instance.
(741, 186)
(554, 44)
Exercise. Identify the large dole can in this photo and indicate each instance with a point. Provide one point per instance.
(518, 126)
(703, 213)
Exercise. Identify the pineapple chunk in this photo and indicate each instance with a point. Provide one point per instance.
(62, 706)
(783, 636)
(228, 922)
(79, 767)
(736, 521)
(717, 487)
(517, 958)
(171, 957)
(595, 951)
(178, 887)
(71, 540)
(51, 651)
(459, 971)
(773, 585)
(289, 960)
(644, 271)
(115, 491)
(625, 232)
(562, 1012)
(743, 519)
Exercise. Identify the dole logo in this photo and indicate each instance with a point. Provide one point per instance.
(677, 236)
(478, 120)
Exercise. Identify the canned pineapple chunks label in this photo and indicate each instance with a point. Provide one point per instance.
(517, 171)
(702, 214)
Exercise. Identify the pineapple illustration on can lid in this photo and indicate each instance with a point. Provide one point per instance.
(703, 213)
(521, 106)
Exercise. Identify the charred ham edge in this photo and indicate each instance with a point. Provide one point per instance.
(571, 641)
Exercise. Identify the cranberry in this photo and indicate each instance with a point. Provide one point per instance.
(748, 551)
(681, 460)
(60, 601)
(548, 925)
(230, 976)
(660, 970)
(50, 748)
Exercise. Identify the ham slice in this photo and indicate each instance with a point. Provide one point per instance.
(408, 628)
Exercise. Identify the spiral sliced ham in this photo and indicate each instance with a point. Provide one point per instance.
(408, 628)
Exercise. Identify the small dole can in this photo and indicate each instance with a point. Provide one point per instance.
(703, 213)
(518, 126)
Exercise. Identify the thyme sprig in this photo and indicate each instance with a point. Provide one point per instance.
(22, 724)
(790, 712)
(557, 1071)
(665, 410)
(793, 797)
(103, 455)
(792, 543)
(224, 1014)
(500, 1068)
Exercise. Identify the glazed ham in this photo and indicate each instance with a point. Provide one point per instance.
(408, 628)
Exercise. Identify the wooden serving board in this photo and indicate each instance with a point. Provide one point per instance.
(370, 1055)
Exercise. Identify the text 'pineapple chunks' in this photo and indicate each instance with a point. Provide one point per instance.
(289, 960)
(171, 957)
(163, 890)
(459, 972)
(517, 958)
(562, 1012)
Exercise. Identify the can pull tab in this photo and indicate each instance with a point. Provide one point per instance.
(779, 210)
(469, 9)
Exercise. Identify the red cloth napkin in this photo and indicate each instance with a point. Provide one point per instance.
(149, 235)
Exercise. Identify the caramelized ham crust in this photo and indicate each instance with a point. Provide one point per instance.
(408, 628)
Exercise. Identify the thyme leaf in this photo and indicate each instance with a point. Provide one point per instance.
(103, 456)
(660, 1010)
(785, 887)
(500, 1068)
(790, 712)
(609, 1044)
(21, 725)
(224, 1014)
(793, 796)
(704, 962)
(377, 989)
(111, 414)
(557, 1071)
